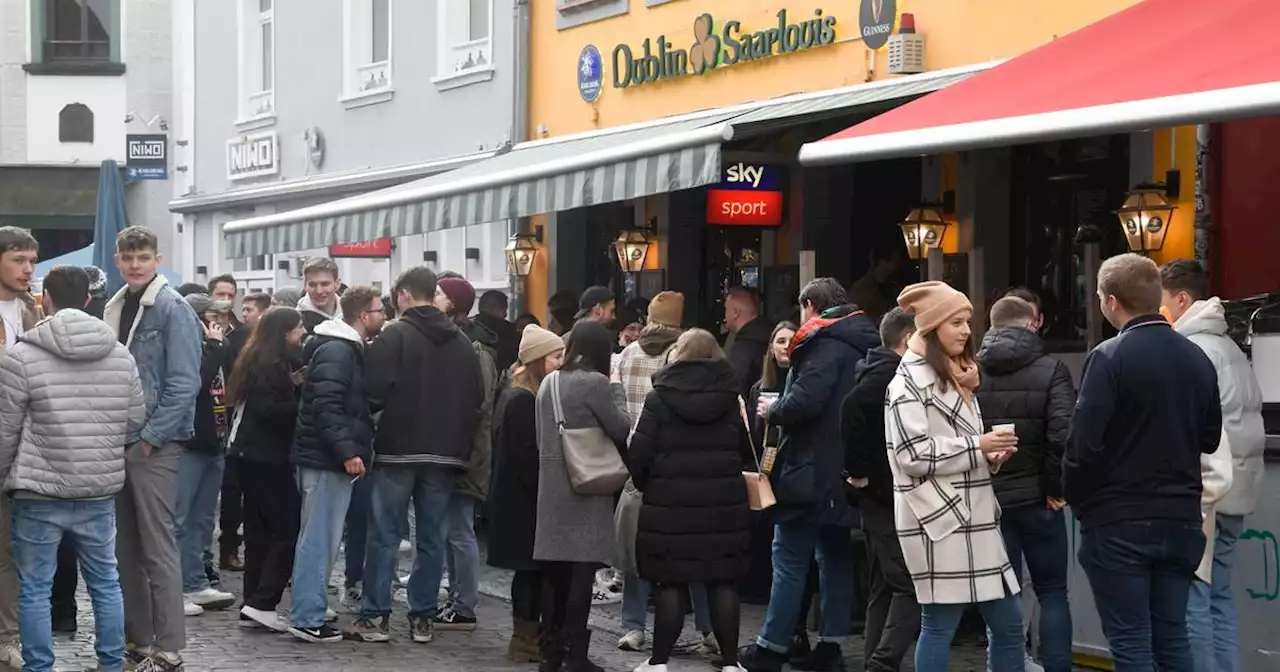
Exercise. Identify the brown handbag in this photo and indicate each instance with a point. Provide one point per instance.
(759, 490)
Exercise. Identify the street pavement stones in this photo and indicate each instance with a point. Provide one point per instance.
(215, 642)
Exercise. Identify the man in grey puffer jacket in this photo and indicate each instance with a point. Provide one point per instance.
(70, 401)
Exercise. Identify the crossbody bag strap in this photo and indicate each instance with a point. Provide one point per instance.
(742, 410)
(555, 400)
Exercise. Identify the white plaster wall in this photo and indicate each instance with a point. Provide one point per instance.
(13, 108)
(46, 96)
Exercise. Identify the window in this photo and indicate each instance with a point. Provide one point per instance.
(367, 52)
(466, 45)
(75, 36)
(257, 59)
(570, 13)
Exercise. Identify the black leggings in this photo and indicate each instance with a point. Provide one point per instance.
(671, 602)
(526, 595)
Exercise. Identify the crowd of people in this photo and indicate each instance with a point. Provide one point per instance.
(133, 426)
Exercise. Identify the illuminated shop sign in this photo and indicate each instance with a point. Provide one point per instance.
(715, 46)
(750, 194)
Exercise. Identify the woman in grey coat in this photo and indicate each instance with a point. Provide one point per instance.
(575, 532)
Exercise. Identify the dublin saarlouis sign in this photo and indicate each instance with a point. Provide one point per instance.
(715, 46)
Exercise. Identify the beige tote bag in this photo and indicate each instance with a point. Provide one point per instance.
(594, 464)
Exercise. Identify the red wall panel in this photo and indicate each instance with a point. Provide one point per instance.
(1246, 207)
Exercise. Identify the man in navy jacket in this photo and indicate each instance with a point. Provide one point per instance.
(1148, 407)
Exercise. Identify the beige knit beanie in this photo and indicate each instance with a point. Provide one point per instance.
(667, 309)
(932, 303)
(536, 343)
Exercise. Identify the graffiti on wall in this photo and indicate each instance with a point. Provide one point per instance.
(1266, 584)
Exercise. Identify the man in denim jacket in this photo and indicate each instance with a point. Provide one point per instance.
(164, 336)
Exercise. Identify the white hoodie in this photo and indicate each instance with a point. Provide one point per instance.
(1205, 324)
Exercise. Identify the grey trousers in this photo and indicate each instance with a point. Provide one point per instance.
(147, 549)
(8, 576)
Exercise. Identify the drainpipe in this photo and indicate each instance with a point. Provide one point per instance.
(1203, 220)
(520, 132)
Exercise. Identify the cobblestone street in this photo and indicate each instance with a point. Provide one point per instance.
(215, 643)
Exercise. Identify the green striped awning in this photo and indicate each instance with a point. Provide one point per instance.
(533, 178)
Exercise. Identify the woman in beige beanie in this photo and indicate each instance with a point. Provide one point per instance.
(513, 500)
(946, 514)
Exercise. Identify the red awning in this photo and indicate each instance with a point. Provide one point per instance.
(1159, 63)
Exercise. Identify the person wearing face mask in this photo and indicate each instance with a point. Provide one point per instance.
(946, 513)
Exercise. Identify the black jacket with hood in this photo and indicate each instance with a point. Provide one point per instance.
(425, 378)
(862, 425)
(506, 339)
(808, 473)
(747, 352)
(1022, 385)
(334, 423)
(687, 455)
(270, 414)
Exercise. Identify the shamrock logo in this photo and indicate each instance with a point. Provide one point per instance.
(705, 53)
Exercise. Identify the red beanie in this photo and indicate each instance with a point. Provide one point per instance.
(460, 292)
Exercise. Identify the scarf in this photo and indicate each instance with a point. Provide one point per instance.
(963, 372)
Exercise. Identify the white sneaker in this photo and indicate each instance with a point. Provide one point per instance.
(632, 641)
(267, 619)
(330, 616)
(1032, 665)
(11, 656)
(733, 668)
(190, 608)
(211, 599)
(405, 546)
(351, 596)
(646, 666)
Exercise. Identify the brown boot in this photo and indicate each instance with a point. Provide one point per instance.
(523, 647)
(231, 562)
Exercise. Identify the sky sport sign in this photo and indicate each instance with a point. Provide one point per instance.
(147, 156)
(716, 46)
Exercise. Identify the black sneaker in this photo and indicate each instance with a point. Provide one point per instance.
(366, 629)
(210, 573)
(452, 620)
(827, 658)
(756, 658)
(420, 628)
(321, 635)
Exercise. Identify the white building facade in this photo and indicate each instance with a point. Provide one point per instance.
(76, 80)
(290, 103)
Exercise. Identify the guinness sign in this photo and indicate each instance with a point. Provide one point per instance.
(875, 21)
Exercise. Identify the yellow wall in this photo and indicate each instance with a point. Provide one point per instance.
(959, 32)
(1175, 149)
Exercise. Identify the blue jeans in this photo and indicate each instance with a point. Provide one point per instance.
(199, 482)
(357, 529)
(38, 528)
(325, 497)
(1039, 534)
(1006, 648)
(635, 604)
(1222, 605)
(795, 545)
(429, 488)
(1140, 572)
(463, 556)
(1200, 626)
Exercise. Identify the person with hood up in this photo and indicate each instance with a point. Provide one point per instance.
(202, 464)
(332, 445)
(426, 380)
(513, 510)
(455, 297)
(687, 454)
(637, 365)
(893, 615)
(945, 509)
(264, 393)
(749, 332)
(1025, 387)
(67, 371)
(322, 287)
(1201, 318)
(813, 518)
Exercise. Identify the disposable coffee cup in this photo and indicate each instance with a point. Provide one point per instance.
(1005, 428)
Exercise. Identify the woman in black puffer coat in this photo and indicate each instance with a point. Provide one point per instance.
(687, 456)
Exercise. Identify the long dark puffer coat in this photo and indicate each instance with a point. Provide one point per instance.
(1024, 386)
(687, 455)
(513, 502)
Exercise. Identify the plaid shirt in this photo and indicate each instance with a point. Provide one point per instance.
(945, 509)
(636, 370)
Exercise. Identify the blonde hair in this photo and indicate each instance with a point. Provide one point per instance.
(696, 344)
(1134, 280)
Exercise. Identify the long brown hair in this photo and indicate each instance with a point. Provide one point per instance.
(771, 371)
(529, 376)
(265, 349)
(940, 361)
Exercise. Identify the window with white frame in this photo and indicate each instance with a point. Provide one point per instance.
(466, 44)
(257, 59)
(367, 49)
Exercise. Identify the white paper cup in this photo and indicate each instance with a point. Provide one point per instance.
(1006, 428)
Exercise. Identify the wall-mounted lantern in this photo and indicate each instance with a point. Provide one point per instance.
(631, 249)
(923, 230)
(1147, 213)
(521, 250)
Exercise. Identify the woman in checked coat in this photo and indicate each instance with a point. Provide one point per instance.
(946, 514)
